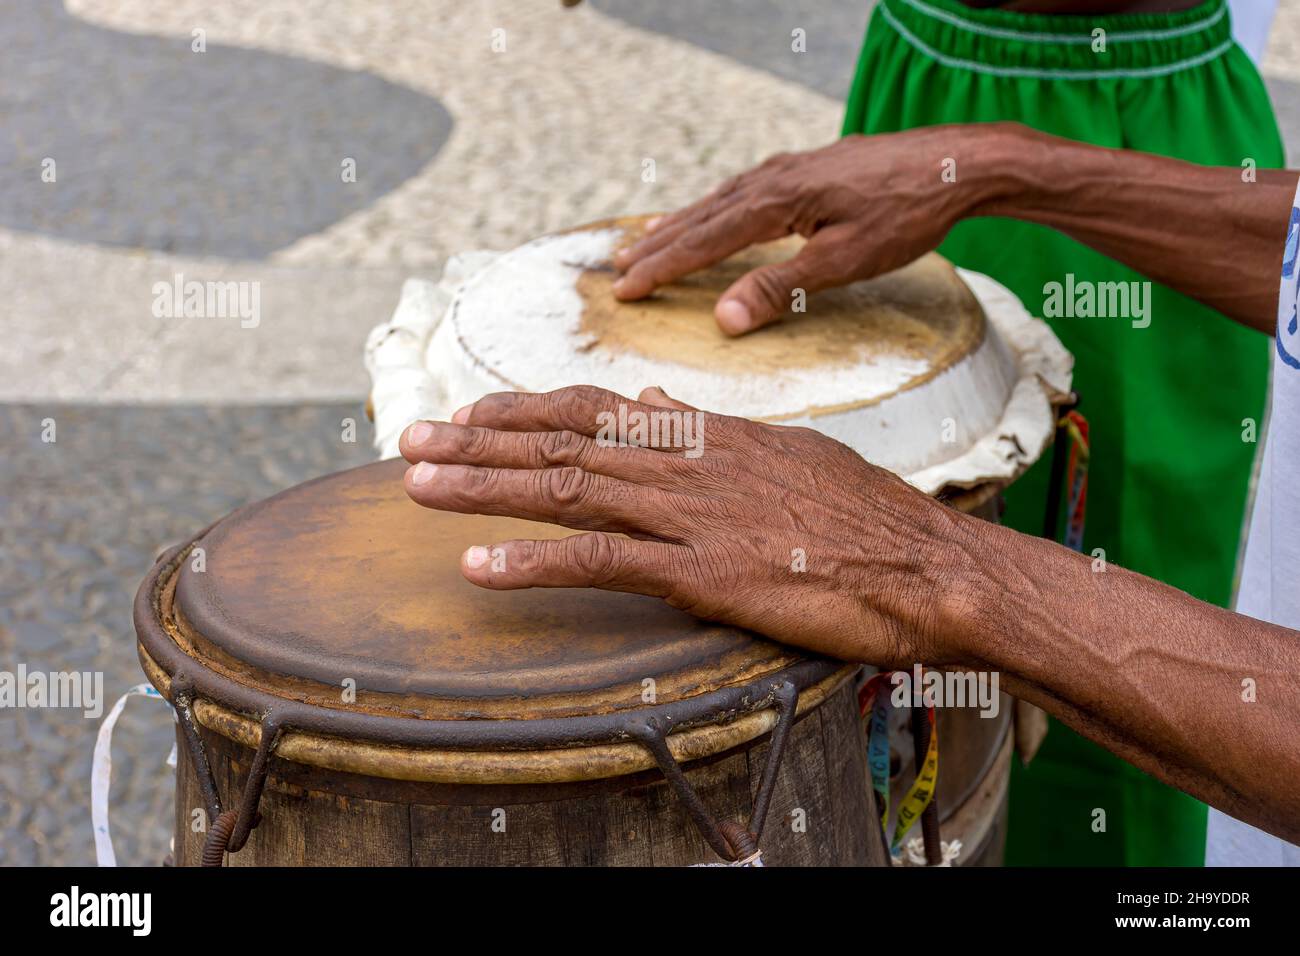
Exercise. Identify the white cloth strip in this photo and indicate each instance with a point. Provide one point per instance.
(101, 773)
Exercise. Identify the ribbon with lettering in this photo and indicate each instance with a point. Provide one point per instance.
(874, 699)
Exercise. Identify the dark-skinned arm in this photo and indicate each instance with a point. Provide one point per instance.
(891, 577)
(868, 205)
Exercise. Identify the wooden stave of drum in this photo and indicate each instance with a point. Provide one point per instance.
(316, 776)
(315, 767)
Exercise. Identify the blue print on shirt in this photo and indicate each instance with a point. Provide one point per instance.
(1286, 333)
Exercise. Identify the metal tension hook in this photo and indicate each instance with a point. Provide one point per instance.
(727, 838)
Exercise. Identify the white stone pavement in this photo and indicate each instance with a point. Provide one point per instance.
(552, 131)
(549, 133)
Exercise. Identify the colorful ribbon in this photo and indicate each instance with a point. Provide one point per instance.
(1076, 478)
(921, 792)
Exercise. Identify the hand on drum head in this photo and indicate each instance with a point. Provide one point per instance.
(780, 530)
(866, 205)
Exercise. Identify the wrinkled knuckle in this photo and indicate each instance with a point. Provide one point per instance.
(778, 160)
(698, 583)
(840, 258)
(527, 557)
(480, 482)
(599, 556)
(726, 430)
(797, 440)
(662, 269)
(683, 579)
(560, 448)
(776, 208)
(472, 443)
(586, 394)
(770, 288)
(695, 239)
(565, 487)
(493, 405)
(722, 566)
(578, 403)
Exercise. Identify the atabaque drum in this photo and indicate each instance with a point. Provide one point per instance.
(938, 374)
(345, 697)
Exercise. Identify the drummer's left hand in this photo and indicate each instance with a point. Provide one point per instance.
(781, 530)
(866, 205)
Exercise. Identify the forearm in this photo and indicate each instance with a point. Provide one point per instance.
(1205, 699)
(1202, 230)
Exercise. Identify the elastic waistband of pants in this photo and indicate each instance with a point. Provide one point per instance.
(1061, 47)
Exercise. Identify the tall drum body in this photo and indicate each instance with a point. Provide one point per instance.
(418, 720)
(939, 375)
(338, 681)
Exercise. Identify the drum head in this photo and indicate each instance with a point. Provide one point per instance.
(938, 375)
(345, 583)
(850, 346)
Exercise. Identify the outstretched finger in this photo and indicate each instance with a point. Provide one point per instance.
(763, 295)
(610, 562)
(697, 246)
(446, 443)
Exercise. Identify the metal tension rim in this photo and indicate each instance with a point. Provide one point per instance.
(652, 731)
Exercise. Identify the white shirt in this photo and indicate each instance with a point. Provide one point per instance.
(1270, 571)
(1250, 22)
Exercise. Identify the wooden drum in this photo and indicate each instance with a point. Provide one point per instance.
(936, 373)
(345, 697)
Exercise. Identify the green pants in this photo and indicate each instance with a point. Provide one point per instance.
(1167, 403)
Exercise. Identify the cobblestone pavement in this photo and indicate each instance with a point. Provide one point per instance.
(556, 112)
(758, 33)
(228, 151)
(225, 165)
(550, 132)
(81, 521)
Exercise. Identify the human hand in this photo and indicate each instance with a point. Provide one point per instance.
(866, 205)
(781, 530)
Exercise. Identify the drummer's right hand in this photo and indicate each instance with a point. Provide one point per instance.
(866, 204)
(777, 529)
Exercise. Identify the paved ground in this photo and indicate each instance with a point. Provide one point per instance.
(550, 132)
(81, 519)
(225, 165)
(760, 33)
(228, 151)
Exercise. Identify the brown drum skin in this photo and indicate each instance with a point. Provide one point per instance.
(822, 812)
(314, 817)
